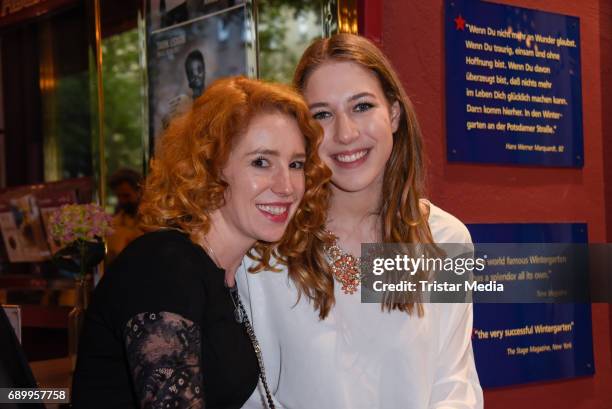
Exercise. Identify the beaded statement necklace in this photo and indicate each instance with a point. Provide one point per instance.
(345, 267)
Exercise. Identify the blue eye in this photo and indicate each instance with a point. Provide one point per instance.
(298, 164)
(363, 106)
(260, 162)
(321, 115)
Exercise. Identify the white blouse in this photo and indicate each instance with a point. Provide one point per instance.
(360, 356)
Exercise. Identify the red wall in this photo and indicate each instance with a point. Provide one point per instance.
(412, 35)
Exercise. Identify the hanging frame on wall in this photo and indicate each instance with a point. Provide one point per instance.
(513, 85)
(186, 47)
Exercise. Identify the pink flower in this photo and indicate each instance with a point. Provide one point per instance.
(74, 222)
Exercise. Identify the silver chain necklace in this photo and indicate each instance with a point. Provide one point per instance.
(242, 318)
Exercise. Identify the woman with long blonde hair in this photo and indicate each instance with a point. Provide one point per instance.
(166, 328)
(322, 347)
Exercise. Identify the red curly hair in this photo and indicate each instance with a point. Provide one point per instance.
(184, 184)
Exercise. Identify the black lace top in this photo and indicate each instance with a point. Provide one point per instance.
(161, 333)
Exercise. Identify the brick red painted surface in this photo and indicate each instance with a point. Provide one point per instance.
(412, 36)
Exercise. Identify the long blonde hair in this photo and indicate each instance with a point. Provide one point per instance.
(403, 185)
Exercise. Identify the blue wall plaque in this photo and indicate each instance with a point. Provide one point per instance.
(522, 343)
(513, 92)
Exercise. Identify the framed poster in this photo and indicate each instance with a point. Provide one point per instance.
(189, 46)
(22, 229)
(513, 90)
(25, 212)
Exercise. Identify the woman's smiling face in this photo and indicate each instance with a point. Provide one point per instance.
(349, 103)
(265, 177)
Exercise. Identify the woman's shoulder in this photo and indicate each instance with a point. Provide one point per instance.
(159, 245)
(159, 271)
(161, 238)
(446, 228)
(156, 255)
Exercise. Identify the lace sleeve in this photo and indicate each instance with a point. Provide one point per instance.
(164, 355)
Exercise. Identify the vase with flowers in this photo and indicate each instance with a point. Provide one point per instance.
(79, 230)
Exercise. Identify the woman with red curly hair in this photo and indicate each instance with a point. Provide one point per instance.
(166, 328)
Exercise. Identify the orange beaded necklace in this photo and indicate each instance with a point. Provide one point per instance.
(345, 267)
